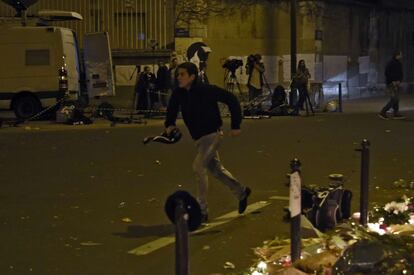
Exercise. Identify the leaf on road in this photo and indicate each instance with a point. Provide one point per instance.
(229, 265)
(127, 220)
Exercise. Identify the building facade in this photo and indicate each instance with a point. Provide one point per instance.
(342, 41)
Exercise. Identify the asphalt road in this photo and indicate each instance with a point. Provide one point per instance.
(77, 199)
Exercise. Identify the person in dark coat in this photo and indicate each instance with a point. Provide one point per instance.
(300, 82)
(255, 69)
(198, 104)
(163, 79)
(393, 78)
(145, 90)
(172, 71)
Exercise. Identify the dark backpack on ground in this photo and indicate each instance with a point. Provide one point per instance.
(325, 207)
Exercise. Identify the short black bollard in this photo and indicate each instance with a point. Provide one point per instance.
(184, 212)
(181, 239)
(340, 97)
(363, 205)
(295, 210)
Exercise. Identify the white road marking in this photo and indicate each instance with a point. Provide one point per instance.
(152, 246)
(279, 198)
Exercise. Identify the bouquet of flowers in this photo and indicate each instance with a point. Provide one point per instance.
(395, 212)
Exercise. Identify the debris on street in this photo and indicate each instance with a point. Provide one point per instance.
(126, 220)
(386, 246)
(229, 265)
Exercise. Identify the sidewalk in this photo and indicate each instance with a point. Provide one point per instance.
(355, 106)
(374, 104)
(99, 123)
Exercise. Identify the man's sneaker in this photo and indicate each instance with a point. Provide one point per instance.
(243, 202)
(398, 116)
(382, 115)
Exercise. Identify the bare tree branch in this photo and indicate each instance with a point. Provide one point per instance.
(189, 11)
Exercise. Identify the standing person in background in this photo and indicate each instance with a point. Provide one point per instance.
(300, 82)
(198, 103)
(393, 78)
(163, 80)
(145, 90)
(172, 71)
(255, 69)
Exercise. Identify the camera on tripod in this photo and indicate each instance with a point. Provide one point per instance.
(251, 60)
(232, 65)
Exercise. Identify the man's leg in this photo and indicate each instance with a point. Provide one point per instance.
(206, 147)
(299, 104)
(396, 101)
(222, 174)
(387, 106)
(251, 93)
(390, 103)
(216, 168)
(257, 93)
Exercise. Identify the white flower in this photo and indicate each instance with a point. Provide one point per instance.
(396, 207)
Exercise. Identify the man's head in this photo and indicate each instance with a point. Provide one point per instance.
(301, 64)
(187, 75)
(174, 62)
(397, 55)
(147, 69)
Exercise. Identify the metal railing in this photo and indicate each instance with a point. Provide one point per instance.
(131, 24)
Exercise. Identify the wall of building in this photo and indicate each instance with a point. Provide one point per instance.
(263, 29)
(367, 37)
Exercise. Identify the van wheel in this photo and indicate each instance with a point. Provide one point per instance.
(26, 106)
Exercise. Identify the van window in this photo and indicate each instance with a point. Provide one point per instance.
(37, 57)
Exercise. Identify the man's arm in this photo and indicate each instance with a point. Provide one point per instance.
(260, 67)
(231, 101)
(172, 110)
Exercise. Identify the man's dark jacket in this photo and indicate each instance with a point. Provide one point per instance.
(393, 71)
(200, 111)
(163, 78)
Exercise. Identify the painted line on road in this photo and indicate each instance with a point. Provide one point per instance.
(152, 246)
(279, 198)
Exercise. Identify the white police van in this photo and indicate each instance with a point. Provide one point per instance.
(40, 63)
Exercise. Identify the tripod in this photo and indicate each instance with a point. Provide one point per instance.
(231, 83)
(266, 83)
(306, 100)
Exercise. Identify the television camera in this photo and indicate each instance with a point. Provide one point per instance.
(232, 65)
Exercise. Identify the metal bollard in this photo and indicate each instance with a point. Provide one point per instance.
(184, 212)
(340, 97)
(363, 204)
(295, 210)
(181, 239)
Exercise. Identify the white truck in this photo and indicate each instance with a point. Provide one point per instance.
(35, 58)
